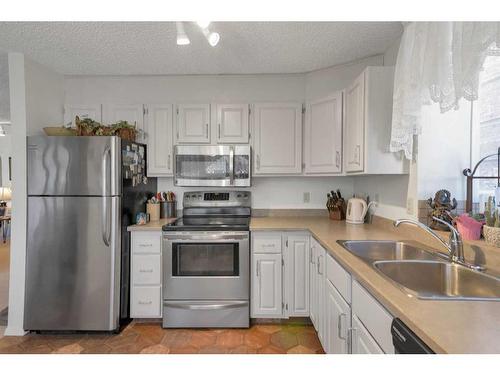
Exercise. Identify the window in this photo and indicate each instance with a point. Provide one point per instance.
(486, 130)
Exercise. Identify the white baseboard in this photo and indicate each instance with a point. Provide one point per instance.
(14, 331)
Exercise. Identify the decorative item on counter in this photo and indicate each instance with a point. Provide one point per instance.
(153, 209)
(442, 205)
(491, 230)
(141, 218)
(335, 205)
(469, 227)
(168, 205)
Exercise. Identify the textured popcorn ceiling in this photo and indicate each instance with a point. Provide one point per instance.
(150, 47)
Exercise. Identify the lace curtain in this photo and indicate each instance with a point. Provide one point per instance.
(438, 62)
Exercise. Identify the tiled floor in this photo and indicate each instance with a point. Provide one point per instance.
(150, 338)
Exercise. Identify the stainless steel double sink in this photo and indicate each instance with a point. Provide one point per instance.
(423, 273)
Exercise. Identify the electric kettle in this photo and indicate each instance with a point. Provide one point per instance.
(356, 210)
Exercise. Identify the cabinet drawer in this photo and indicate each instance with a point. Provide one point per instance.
(146, 269)
(146, 242)
(362, 341)
(266, 243)
(339, 277)
(373, 315)
(145, 302)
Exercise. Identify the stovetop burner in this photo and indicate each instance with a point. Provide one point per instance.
(214, 211)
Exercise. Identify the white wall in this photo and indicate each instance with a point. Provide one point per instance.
(281, 192)
(36, 98)
(5, 152)
(4, 87)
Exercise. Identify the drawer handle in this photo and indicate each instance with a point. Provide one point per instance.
(339, 326)
(146, 245)
(146, 271)
(268, 245)
(145, 302)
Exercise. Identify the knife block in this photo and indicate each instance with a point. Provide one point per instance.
(335, 214)
(153, 209)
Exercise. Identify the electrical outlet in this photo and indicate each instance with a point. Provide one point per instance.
(307, 197)
(410, 210)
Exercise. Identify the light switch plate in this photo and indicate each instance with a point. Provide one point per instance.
(307, 197)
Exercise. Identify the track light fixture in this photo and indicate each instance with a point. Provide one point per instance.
(213, 38)
(182, 38)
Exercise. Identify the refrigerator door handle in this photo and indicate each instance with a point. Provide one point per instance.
(106, 222)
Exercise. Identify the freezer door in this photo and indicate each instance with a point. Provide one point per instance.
(74, 166)
(73, 264)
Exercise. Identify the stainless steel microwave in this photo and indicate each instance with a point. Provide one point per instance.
(197, 165)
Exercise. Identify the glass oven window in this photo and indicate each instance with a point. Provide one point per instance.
(205, 259)
(202, 167)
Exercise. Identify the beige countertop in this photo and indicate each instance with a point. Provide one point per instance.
(151, 226)
(446, 326)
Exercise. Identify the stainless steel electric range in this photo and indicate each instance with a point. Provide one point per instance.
(206, 261)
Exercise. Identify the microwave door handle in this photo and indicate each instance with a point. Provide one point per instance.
(231, 165)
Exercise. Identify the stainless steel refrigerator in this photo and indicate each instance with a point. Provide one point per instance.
(83, 192)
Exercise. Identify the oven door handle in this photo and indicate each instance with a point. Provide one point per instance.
(210, 238)
(214, 306)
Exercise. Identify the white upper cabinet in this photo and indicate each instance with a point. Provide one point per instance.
(277, 138)
(159, 127)
(83, 111)
(232, 123)
(132, 113)
(355, 125)
(367, 124)
(193, 123)
(323, 135)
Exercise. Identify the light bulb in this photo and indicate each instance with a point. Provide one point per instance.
(203, 24)
(213, 39)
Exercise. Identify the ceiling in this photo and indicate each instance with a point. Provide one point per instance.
(136, 48)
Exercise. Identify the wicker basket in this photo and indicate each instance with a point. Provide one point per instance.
(59, 131)
(492, 235)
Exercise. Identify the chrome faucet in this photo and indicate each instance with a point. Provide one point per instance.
(454, 246)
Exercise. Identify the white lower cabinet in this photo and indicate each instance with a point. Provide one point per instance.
(145, 275)
(362, 341)
(338, 321)
(279, 274)
(267, 286)
(317, 280)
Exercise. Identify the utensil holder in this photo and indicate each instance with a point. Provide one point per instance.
(168, 209)
(153, 209)
(492, 235)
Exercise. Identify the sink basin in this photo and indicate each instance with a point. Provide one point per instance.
(372, 251)
(440, 280)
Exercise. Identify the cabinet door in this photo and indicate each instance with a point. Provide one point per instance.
(277, 138)
(323, 135)
(320, 265)
(83, 111)
(338, 321)
(159, 120)
(132, 113)
(362, 341)
(232, 123)
(313, 281)
(193, 123)
(355, 125)
(298, 275)
(266, 286)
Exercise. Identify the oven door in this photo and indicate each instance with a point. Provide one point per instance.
(212, 165)
(206, 265)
